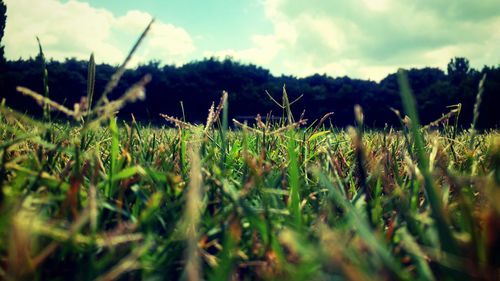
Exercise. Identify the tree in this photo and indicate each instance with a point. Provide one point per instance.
(3, 19)
(458, 68)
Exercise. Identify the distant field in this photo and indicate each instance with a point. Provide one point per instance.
(292, 200)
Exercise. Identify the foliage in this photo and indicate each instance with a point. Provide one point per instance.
(197, 84)
(458, 68)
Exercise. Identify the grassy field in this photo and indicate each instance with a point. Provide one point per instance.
(106, 199)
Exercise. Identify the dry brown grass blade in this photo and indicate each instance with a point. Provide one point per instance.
(456, 110)
(289, 127)
(275, 101)
(297, 99)
(321, 121)
(244, 126)
(176, 122)
(134, 93)
(221, 104)
(275, 132)
(192, 216)
(210, 118)
(260, 124)
(43, 101)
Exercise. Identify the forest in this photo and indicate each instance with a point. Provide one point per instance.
(199, 83)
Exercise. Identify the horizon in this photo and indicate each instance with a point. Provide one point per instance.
(249, 64)
(359, 39)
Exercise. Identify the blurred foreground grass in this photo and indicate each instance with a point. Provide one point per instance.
(269, 201)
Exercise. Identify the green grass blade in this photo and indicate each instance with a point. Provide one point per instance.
(423, 270)
(46, 108)
(446, 238)
(363, 228)
(90, 84)
(294, 181)
(114, 152)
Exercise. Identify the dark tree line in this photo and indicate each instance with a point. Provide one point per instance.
(198, 84)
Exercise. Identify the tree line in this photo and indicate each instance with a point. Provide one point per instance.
(198, 84)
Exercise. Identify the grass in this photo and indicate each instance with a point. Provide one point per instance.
(105, 199)
(271, 201)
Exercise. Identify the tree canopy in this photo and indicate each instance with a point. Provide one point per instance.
(3, 20)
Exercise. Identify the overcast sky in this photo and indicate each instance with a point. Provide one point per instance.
(359, 38)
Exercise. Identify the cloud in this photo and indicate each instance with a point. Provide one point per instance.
(75, 29)
(265, 48)
(369, 38)
(263, 51)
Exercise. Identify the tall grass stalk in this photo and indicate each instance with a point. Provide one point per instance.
(294, 181)
(192, 215)
(45, 76)
(477, 105)
(446, 238)
(90, 85)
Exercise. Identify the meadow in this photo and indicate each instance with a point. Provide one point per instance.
(105, 199)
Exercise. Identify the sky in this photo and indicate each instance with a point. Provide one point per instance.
(365, 39)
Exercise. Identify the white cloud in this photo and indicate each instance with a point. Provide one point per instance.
(265, 47)
(263, 52)
(359, 38)
(75, 29)
(370, 38)
(377, 5)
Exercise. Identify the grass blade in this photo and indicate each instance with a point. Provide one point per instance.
(41, 55)
(294, 181)
(446, 238)
(90, 84)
